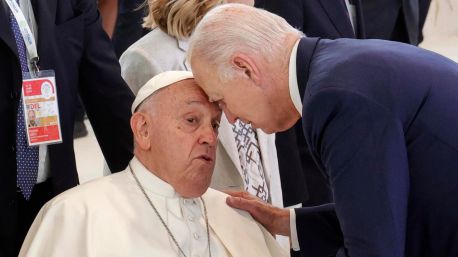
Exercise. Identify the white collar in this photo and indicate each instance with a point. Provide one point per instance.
(293, 85)
(183, 44)
(151, 182)
(155, 186)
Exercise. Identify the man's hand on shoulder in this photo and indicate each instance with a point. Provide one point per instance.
(274, 219)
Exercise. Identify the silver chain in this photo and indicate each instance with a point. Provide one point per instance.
(163, 222)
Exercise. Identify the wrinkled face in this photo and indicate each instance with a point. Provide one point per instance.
(239, 98)
(183, 137)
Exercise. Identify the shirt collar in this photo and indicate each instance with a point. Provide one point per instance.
(293, 85)
(183, 44)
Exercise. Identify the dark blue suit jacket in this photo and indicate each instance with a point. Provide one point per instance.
(381, 118)
(399, 20)
(302, 181)
(70, 41)
(128, 27)
(328, 18)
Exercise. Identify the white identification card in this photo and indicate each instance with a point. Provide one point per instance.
(41, 111)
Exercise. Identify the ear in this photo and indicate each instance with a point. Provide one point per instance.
(247, 65)
(140, 123)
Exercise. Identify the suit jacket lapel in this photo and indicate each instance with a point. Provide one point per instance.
(305, 52)
(226, 137)
(183, 45)
(270, 163)
(243, 238)
(338, 15)
(360, 30)
(5, 29)
(45, 15)
(411, 13)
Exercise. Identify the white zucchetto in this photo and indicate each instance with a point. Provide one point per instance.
(159, 81)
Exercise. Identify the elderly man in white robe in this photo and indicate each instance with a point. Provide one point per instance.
(161, 204)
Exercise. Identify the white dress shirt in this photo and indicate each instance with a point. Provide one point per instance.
(293, 85)
(351, 8)
(297, 101)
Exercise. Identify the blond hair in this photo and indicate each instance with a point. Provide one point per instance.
(178, 18)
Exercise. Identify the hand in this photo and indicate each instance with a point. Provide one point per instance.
(274, 219)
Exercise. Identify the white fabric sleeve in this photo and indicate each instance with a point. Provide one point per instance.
(292, 223)
(60, 229)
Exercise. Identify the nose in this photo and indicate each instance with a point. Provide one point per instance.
(230, 117)
(208, 136)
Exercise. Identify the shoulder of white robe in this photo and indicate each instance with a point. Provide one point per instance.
(238, 231)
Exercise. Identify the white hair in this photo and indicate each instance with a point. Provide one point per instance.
(148, 105)
(231, 28)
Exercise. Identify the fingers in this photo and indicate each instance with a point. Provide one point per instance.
(241, 194)
(233, 193)
(260, 211)
(240, 203)
(274, 219)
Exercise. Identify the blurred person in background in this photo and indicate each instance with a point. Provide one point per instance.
(129, 27)
(395, 20)
(71, 42)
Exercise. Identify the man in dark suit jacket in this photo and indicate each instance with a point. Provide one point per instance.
(397, 20)
(302, 181)
(325, 18)
(128, 27)
(379, 117)
(423, 7)
(72, 43)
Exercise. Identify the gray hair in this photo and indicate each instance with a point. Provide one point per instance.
(231, 28)
(150, 104)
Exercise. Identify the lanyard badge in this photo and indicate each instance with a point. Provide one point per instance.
(41, 110)
(27, 36)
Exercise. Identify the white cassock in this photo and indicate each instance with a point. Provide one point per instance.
(111, 217)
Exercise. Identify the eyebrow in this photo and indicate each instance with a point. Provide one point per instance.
(190, 102)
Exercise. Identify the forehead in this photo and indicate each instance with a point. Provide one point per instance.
(187, 94)
(207, 79)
